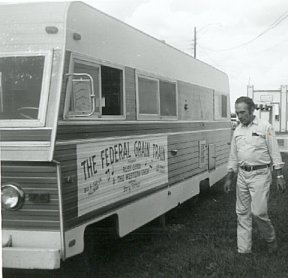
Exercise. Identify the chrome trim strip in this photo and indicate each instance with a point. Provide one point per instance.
(79, 141)
(62, 234)
(25, 144)
(106, 121)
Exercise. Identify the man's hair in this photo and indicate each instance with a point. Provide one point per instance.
(248, 101)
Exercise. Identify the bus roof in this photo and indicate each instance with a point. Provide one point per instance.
(24, 27)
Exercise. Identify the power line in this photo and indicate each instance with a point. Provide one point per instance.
(212, 60)
(272, 26)
(275, 45)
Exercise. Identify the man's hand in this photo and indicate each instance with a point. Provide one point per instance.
(228, 182)
(227, 186)
(281, 185)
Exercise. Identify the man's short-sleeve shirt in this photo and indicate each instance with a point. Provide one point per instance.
(254, 144)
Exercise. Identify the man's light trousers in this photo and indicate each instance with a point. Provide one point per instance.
(252, 192)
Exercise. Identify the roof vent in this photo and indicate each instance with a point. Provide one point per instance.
(51, 29)
(76, 36)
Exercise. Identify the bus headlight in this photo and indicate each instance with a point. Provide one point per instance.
(12, 197)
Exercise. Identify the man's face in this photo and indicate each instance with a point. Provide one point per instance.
(244, 115)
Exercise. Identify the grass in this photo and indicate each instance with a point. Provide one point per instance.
(199, 241)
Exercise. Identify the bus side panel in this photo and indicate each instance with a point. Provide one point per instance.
(222, 142)
(185, 163)
(181, 166)
(41, 207)
(66, 155)
(100, 176)
(195, 102)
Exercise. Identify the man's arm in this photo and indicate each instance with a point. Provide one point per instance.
(276, 158)
(233, 159)
(280, 182)
(232, 166)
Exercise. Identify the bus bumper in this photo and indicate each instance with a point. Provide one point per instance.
(30, 250)
(33, 258)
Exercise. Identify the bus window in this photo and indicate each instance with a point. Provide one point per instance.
(112, 91)
(168, 99)
(157, 99)
(20, 86)
(108, 90)
(224, 106)
(148, 96)
(221, 106)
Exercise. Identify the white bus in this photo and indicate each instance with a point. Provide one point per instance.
(98, 121)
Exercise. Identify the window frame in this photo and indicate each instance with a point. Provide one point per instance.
(141, 116)
(44, 93)
(158, 116)
(225, 98)
(172, 117)
(218, 110)
(87, 60)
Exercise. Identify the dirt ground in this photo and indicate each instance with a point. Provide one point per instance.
(199, 240)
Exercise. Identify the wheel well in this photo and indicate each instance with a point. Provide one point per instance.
(204, 186)
(100, 232)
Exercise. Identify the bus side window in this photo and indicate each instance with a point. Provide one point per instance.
(108, 98)
(168, 99)
(148, 94)
(112, 91)
(224, 106)
(157, 98)
(221, 106)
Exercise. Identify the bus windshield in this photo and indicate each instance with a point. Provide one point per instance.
(20, 87)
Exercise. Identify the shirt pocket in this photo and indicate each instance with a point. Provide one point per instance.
(259, 141)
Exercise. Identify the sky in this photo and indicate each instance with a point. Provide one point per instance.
(246, 39)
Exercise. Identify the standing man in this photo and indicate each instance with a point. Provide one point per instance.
(254, 153)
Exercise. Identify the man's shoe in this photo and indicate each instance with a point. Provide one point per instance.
(244, 253)
(272, 247)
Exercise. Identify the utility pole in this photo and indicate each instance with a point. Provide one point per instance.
(195, 42)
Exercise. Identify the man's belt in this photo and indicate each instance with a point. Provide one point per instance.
(249, 168)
